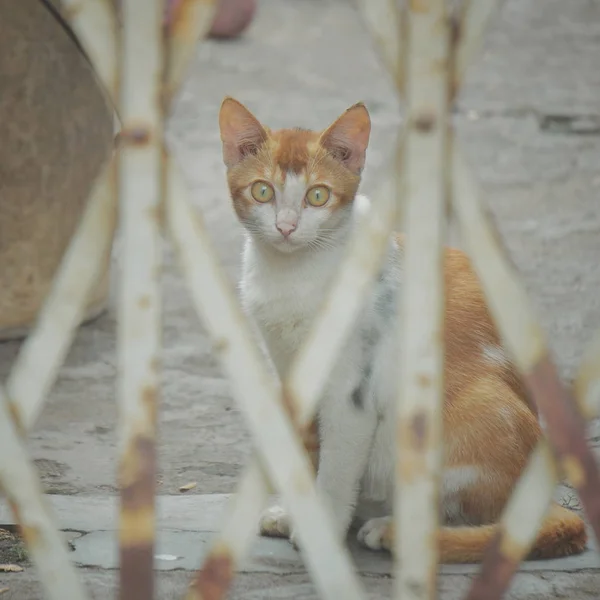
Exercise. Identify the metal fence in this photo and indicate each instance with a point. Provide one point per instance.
(141, 64)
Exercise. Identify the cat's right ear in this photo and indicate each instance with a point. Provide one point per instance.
(241, 133)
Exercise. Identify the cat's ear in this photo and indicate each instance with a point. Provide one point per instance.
(347, 137)
(241, 133)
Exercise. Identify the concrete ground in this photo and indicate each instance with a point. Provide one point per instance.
(529, 119)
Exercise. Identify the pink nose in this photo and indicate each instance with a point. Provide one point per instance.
(285, 229)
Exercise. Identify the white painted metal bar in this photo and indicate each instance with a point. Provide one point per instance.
(419, 411)
(44, 350)
(139, 308)
(308, 375)
(22, 488)
(259, 397)
(95, 25)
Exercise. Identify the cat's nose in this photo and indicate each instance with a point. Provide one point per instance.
(286, 228)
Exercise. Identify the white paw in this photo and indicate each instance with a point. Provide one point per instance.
(372, 533)
(274, 522)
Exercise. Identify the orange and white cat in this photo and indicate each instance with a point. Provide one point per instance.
(295, 192)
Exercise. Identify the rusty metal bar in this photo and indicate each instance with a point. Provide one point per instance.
(139, 326)
(22, 488)
(259, 396)
(419, 453)
(308, 375)
(525, 510)
(44, 350)
(523, 337)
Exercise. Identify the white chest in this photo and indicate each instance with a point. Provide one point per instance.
(283, 304)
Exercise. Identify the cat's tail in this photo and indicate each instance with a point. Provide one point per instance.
(562, 534)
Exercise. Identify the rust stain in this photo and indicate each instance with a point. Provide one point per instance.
(496, 572)
(419, 427)
(13, 409)
(455, 27)
(135, 136)
(567, 434)
(137, 473)
(288, 401)
(137, 519)
(215, 576)
(32, 535)
(410, 466)
(136, 526)
(573, 470)
(420, 6)
(510, 548)
(150, 402)
(155, 214)
(155, 365)
(144, 302)
(179, 16)
(424, 122)
(221, 345)
(424, 381)
(136, 574)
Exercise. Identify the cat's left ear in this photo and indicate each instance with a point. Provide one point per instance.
(347, 138)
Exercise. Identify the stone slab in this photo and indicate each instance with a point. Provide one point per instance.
(187, 524)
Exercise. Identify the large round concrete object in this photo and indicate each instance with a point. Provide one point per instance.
(56, 132)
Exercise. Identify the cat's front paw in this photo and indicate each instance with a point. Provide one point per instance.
(377, 534)
(275, 522)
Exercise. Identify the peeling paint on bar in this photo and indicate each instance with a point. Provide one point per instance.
(139, 327)
(214, 580)
(567, 433)
(421, 377)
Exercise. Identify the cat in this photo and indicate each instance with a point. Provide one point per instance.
(295, 191)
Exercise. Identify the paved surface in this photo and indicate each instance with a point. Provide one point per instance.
(302, 63)
(187, 524)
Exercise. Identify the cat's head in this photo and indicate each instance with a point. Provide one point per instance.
(293, 188)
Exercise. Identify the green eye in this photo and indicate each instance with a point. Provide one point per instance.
(318, 195)
(262, 191)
